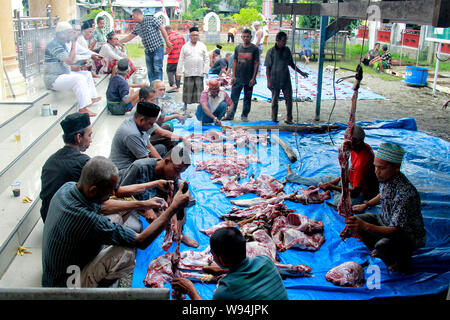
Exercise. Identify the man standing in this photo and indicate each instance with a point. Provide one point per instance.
(149, 28)
(306, 44)
(173, 57)
(231, 34)
(99, 33)
(278, 58)
(258, 40)
(245, 68)
(395, 233)
(61, 73)
(194, 65)
(77, 236)
(214, 103)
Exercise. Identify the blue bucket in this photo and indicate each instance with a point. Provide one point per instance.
(416, 76)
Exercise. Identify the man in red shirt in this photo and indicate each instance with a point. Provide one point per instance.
(363, 181)
(177, 41)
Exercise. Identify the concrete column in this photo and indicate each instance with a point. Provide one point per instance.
(37, 8)
(3, 80)
(9, 54)
(64, 9)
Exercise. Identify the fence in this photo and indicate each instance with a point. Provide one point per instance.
(31, 35)
(126, 26)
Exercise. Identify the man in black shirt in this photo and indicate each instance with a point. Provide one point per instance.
(245, 68)
(66, 164)
(278, 58)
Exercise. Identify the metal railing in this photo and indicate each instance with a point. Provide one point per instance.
(31, 35)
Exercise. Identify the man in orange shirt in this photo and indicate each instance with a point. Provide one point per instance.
(363, 181)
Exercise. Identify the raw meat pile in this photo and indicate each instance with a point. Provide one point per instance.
(288, 230)
(215, 142)
(265, 186)
(229, 166)
(160, 270)
(348, 274)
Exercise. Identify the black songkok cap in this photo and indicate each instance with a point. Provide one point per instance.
(193, 29)
(75, 122)
(148, 109)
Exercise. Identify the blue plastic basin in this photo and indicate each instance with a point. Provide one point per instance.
(416, 76)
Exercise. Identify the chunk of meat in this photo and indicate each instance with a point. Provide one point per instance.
(288, 235)
(220, 225)
(229, 166)
(265, 186)
(309, 196)
(347, 274)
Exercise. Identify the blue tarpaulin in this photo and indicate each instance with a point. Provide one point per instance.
(427, 166)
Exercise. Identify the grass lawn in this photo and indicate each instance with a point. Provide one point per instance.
(353, 53)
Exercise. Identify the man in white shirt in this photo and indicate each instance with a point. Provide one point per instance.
(194, 65)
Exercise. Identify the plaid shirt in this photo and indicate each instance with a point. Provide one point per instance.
(149, 33)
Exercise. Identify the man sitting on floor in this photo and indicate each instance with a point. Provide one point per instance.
(214, 104)
(66, 164)
(82, 248)
(168, 169)
(120, 98)
(364, 185)
(132, 140)
(61, 73)
(247, 278)
(162, 132)
(395, 233)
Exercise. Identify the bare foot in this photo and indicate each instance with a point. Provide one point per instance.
(97, 99)
(89, 112)
(188, 241)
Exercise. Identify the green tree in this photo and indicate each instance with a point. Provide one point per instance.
(247, 16)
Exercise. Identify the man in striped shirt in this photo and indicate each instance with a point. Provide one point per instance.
(82, 248)
(173, 56)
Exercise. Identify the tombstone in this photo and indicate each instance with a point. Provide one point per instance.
(163, 17)
(109, 21)
(211, 26)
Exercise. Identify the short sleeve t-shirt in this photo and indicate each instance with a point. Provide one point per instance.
(118, 89)
(148, 30)
(362, 172)
(129, 144)
(400, 205)
(245, 62)
(63, 166)
(278, 60)
(253, 279)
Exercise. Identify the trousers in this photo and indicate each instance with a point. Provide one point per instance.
(81, 83)
(154, 62)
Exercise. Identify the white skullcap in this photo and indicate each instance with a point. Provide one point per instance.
(63, 26)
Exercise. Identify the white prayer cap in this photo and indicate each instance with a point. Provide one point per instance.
(63, 26)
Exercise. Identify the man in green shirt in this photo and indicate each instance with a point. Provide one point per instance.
(247, 278)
